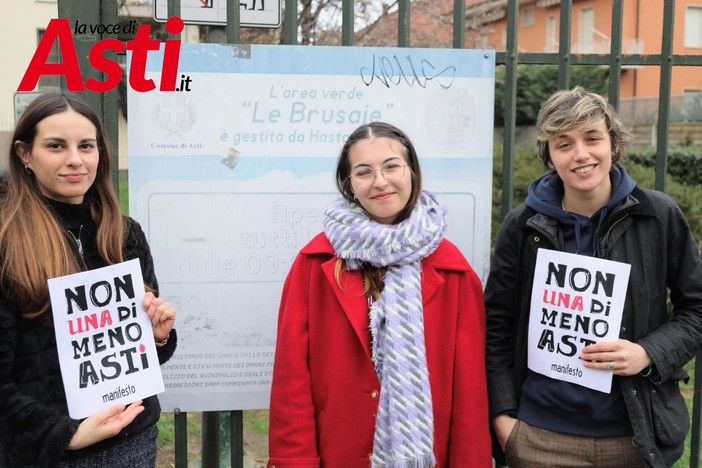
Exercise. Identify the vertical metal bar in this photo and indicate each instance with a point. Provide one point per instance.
(347, 26)
(181, 438)
(459, 24)
(173, 8)
(210, 439)
(110, 99)
(696, 402)
(510, 116)
(290, 22)
(237, 434)
(104, 104)
(403, 23)
(564, 43)
(615, 53)
(664, 93)
(233, 28)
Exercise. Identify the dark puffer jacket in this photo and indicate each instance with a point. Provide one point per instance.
(648, 231)
(35, 428)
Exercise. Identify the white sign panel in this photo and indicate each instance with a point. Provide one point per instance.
(252, 13)
(230, 180)
(576, 301)
(105, 342)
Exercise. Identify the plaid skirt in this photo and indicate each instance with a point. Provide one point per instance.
(134, 452)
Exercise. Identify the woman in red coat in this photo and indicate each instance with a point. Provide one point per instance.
(381, 332)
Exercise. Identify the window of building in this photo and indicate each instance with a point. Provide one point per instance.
(49, 81)
(691, 105)
(528, 16)
(586, 27)
(693, 27)
(551, 34)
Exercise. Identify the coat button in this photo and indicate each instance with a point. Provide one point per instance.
(653, 392)
(537, 239)
(633, 392)
(374, 394)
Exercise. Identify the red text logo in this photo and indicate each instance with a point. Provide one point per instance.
(60, 29)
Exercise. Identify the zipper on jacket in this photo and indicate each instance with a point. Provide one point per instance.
(605, 239)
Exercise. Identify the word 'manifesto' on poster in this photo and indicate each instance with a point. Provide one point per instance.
(576, 301)
(105, 341)
(230, 177)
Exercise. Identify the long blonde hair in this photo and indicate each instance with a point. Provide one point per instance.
(33, 245)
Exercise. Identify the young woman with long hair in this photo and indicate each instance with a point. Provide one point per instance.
(380, 351)
(59, 215)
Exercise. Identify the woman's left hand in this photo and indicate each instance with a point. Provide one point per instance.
(621, 356)
(161, 314)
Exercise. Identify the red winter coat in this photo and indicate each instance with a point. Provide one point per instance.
(325, 391)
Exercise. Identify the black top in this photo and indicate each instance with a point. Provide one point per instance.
(35, 428)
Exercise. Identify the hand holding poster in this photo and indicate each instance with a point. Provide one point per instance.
(105, 344)
(576, 301)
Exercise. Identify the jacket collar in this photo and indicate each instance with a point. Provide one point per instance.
(351, 297)
(550, 228)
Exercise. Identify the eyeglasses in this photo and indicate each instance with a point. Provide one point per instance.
(392, 172)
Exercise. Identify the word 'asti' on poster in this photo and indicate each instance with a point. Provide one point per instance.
(104, 338)
(576, 301)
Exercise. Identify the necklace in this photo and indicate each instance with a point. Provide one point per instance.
(77, 239)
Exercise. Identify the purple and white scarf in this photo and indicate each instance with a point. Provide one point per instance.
(404, 427)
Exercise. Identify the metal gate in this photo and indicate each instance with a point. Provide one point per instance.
(104, 11)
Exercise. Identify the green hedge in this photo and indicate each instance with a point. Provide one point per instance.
(640, 166)
(684, 162)
(535, 83)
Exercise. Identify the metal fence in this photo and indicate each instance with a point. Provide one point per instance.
(104, 11)
(685, 108)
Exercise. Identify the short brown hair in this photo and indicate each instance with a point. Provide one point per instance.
(577, 108)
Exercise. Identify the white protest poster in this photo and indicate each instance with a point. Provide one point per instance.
(230, 178)
(576, 300)
(105, 343)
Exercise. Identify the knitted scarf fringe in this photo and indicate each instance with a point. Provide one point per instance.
(429, 461)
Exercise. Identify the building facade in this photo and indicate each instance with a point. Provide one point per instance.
(591, 25)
